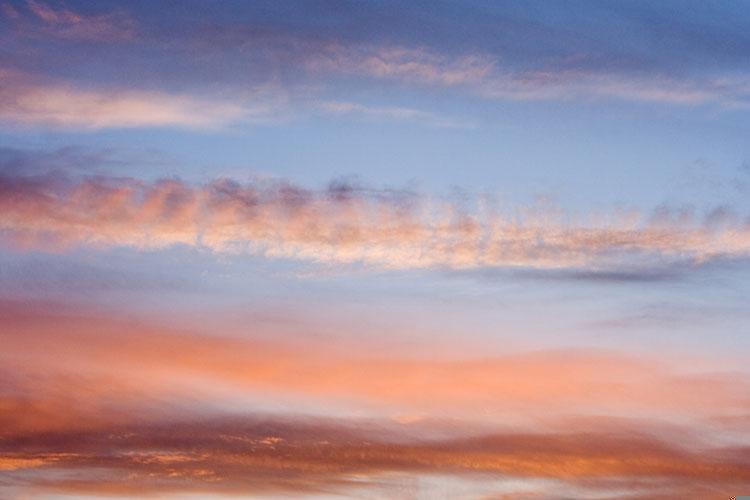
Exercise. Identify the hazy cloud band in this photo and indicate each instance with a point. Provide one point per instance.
(348, 224)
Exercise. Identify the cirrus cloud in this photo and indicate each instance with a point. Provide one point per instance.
(26, 101)
(486, 76)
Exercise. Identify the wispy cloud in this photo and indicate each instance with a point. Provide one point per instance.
(55, 355)
(390, 113)
(140, 404)
(25, 101)
(350, 224)
(486, 76)
(33, 102)
(38, 17)
(267, 455)
(529, 61)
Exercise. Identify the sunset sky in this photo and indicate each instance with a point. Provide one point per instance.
(403, 250)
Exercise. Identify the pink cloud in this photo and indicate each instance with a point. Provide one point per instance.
(347, 225)
(25, 101)
(65, 23)
(126, 406)
(297, 456)
(104, 362)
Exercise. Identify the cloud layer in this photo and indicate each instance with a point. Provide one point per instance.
(220, 56)
(302, 456)
(349, 224)
(96, 404)
(53, 356)
(26, 102)
(485, 76)
(255, 337)
(42, 19)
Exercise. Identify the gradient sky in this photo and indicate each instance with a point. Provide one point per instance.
(333, 249)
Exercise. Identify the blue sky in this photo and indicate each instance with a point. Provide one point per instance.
(244, 243)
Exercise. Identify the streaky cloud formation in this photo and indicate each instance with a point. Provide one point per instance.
(267, 455)
(35, 17)
(24, 101)
(390, 112)
(486, 77)
(531, 60)
(408, 250)
(94, 403)
(349, 224)
(55, 355)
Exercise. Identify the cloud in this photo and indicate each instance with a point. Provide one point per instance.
(485, 76)
(257, 455)
(658, 274)
(66, 367)
(94, 403)
(31, 102)
(687, 61)
(390, 112)
(37, 17)
(25, 101)
(350, 224)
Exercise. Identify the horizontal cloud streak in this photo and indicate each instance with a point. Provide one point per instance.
(511, 56)
(26, 102)
(390, 112)
(487, 77)
(303, 456)
(94, 404)
(55, 356)
(348, 224)
(39, 18)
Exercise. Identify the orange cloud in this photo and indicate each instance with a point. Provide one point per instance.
(345, 224)
(292, 455)
(102, 363)
(91, 403)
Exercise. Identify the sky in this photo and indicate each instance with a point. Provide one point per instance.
(404, 250)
